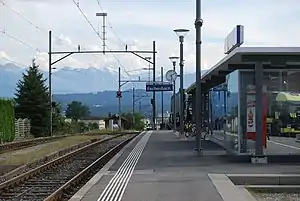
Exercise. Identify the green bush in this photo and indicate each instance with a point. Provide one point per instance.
(7, 121)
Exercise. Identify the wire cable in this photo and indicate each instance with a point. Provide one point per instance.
(14, 62)
(97, 33)
(110, 25)
(19, 40)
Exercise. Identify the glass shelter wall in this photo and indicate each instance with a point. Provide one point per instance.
(280, 110)
(283, 111)
(224, 111)
(224, 104)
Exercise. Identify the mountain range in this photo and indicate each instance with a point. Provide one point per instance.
(94, 87)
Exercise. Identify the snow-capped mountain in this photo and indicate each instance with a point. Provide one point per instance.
(81, 80)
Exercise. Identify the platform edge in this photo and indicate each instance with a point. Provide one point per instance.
(227, 190)
(78, 196)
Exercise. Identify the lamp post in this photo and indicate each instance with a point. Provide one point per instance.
(181, 34)
(174, 61)
(198, 25)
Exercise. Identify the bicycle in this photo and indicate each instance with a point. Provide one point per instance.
(190, 130)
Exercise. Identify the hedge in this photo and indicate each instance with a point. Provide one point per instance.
(7, 121)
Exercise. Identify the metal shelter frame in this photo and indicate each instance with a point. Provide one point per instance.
(256, 59)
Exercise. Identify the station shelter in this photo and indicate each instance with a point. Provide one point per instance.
(252, 93)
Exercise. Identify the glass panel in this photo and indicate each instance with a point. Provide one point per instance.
(224, 112)
(247, 82)
(232, 100)
(283, 111)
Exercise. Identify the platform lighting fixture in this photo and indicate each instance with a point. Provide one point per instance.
(174, 61)
(181, 33)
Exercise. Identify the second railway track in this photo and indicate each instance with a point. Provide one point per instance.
(59, 179)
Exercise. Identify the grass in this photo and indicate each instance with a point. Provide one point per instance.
(23, 156)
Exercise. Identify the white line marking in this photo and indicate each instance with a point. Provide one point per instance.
(277, 143)
(284, 145)
(125, 169)
(104, 171)
(116, 187)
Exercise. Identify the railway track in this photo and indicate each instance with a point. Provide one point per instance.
(12, 146)
(61, 178)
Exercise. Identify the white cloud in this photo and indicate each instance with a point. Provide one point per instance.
(268, 22)
(63, 40)
(4, 56)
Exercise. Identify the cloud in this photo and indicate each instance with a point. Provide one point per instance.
(138, 23)
(4, 56)
(63, 40)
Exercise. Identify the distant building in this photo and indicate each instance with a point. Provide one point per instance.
(165, 120)
(98, 120)
(103, 122)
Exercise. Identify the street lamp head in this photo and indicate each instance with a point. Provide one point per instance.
(181, 32)
(174, 60)
(101, 14)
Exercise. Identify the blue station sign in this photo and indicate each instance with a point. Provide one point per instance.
(221, 87)
(159, 86)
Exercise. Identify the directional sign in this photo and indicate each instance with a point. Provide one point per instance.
(159, 86)
(221, 87)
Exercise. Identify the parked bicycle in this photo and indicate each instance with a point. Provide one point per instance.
(190, 130)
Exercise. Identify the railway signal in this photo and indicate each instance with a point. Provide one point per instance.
(119, 94)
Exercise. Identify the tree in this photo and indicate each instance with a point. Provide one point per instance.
(7, 121)
(77, 110)
(58, 121)
(32, 101)
(133, 121)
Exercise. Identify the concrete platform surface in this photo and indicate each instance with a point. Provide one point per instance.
(157, 166)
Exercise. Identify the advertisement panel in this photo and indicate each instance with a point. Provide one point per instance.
(251, 114)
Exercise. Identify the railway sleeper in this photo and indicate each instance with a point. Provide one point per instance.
(28, 196)
(39, 186)
(87, 157)
(42, 180)
(59, 179)
(50, 183)
(32, 193)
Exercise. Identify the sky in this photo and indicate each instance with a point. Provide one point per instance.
(138, 23)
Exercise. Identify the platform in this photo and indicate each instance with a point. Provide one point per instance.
(157, 166)
(275, 146)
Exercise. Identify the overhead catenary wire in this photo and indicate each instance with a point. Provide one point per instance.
(27, 20)
(114, 32)
(22, 42)
(97, 33)
(45, 31)
(110, 25)
(22, 16)
(32, 24)
(13, 61)
(19, 40)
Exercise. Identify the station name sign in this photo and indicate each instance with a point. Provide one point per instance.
(221, 87)
(234, 39)
(159, 86)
